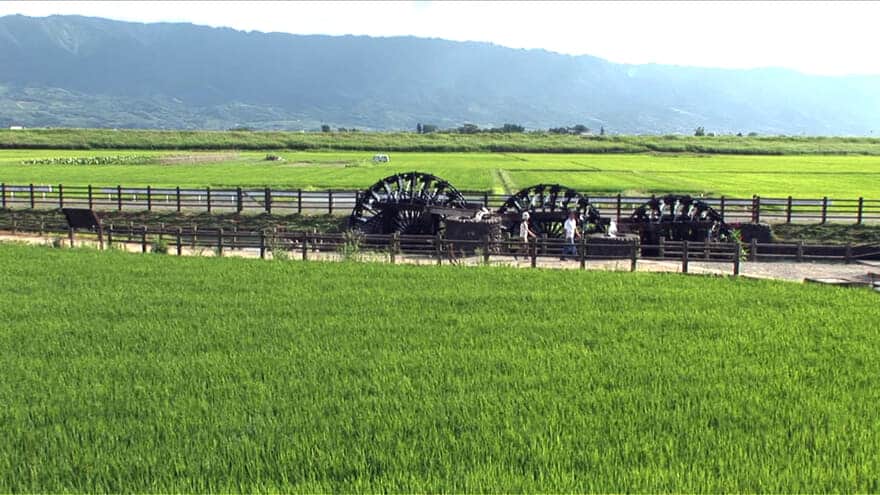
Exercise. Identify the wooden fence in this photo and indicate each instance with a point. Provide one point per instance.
(439, 249)
(341, 202)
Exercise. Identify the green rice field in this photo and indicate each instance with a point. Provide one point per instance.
(149, 373)
(804, 176)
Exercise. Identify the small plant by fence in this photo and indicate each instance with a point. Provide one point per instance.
(341, 202)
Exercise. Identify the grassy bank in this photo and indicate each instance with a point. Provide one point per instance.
(435, 142)
(162, 374)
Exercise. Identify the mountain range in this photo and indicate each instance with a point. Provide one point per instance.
(72, 71)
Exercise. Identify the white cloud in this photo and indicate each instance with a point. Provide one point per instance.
(814, 37)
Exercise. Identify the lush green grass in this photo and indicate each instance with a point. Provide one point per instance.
(742, 176)
(159, 374)
(443, 142)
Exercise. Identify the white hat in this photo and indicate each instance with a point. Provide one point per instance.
(525, 215)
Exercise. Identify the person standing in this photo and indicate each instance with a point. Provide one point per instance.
(525, 233)
(571, 233)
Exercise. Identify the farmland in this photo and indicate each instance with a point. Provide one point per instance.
(162, 374)
(714, 175)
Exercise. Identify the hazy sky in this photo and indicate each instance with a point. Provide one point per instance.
(814, 37)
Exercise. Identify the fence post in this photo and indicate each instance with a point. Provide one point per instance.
(299, 201)
(60, 195)
(208, 197)
(395, 244)
(684, 257)
(723, 204)
(144, 240)
(329, 201)
(32, 195)
(3, 194)
(486, 249)
(177, 191)
(756, 209)
(118, 197)
(149, 198)
(858, 215)
(486, 199)
(618, 207)
(438, 249)
(91, 198)
(239, 204)
(824, 208)
(800, 251)
(195, 234)
(661, 250)
(534, 252)
(707, 251)
(110, 237)
(634, 256)
(753, 250)
(788, 211)
(220, 242)
(179, 241)
(70, 235)
(267, 199)
(305, 246)
(737, 254)
(847, 257)
(583, 252)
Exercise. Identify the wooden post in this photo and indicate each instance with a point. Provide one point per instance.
(737, 254)
(3, 195)
(220, 242)
(753, 250)
(800, 251)
(299, 201)
(788, 211)
(486, 247)
(70, 235)
(486, 199)
(438, 249)
(395, 245)
(583, 252)
(130, 230)
(305, 246)
(634, 256)
(267, 199)
(110, 237)
(239, 203)
(847, 257)
(161, 231)
(661, 250)
(60, 195)
(177, 197)
(32, 196)
(194, 237)
(100, 235)
(723, 203)
(543, 244)
(179, 241)
(858, 214)
(208, 197)
(329, 201)
(756, 209)
(149, 198)
(262, 244)
(144, 239)
(824, 208)
(118, 198)
(619, 205)
(684, 257)
(91, 198)
(534, 245)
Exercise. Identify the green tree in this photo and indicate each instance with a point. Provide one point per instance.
(325, 128)
(700, 131)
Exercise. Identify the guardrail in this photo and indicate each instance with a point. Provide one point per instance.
(340, 202)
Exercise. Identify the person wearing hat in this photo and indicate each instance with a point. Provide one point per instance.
(525, 233)
(571, 233)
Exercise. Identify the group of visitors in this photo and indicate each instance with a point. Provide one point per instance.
(570, 228)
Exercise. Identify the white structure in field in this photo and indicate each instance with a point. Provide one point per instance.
(16, 128)
(381, 158)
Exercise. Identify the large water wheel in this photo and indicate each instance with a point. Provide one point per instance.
(678, 218)
(548, 206)
(400, 203)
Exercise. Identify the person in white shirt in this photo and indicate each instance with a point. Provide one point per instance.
(571, 233)
(525, 233)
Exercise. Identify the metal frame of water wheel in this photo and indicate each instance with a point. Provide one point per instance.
(548, 206)
(679, 217)
(401, 203)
